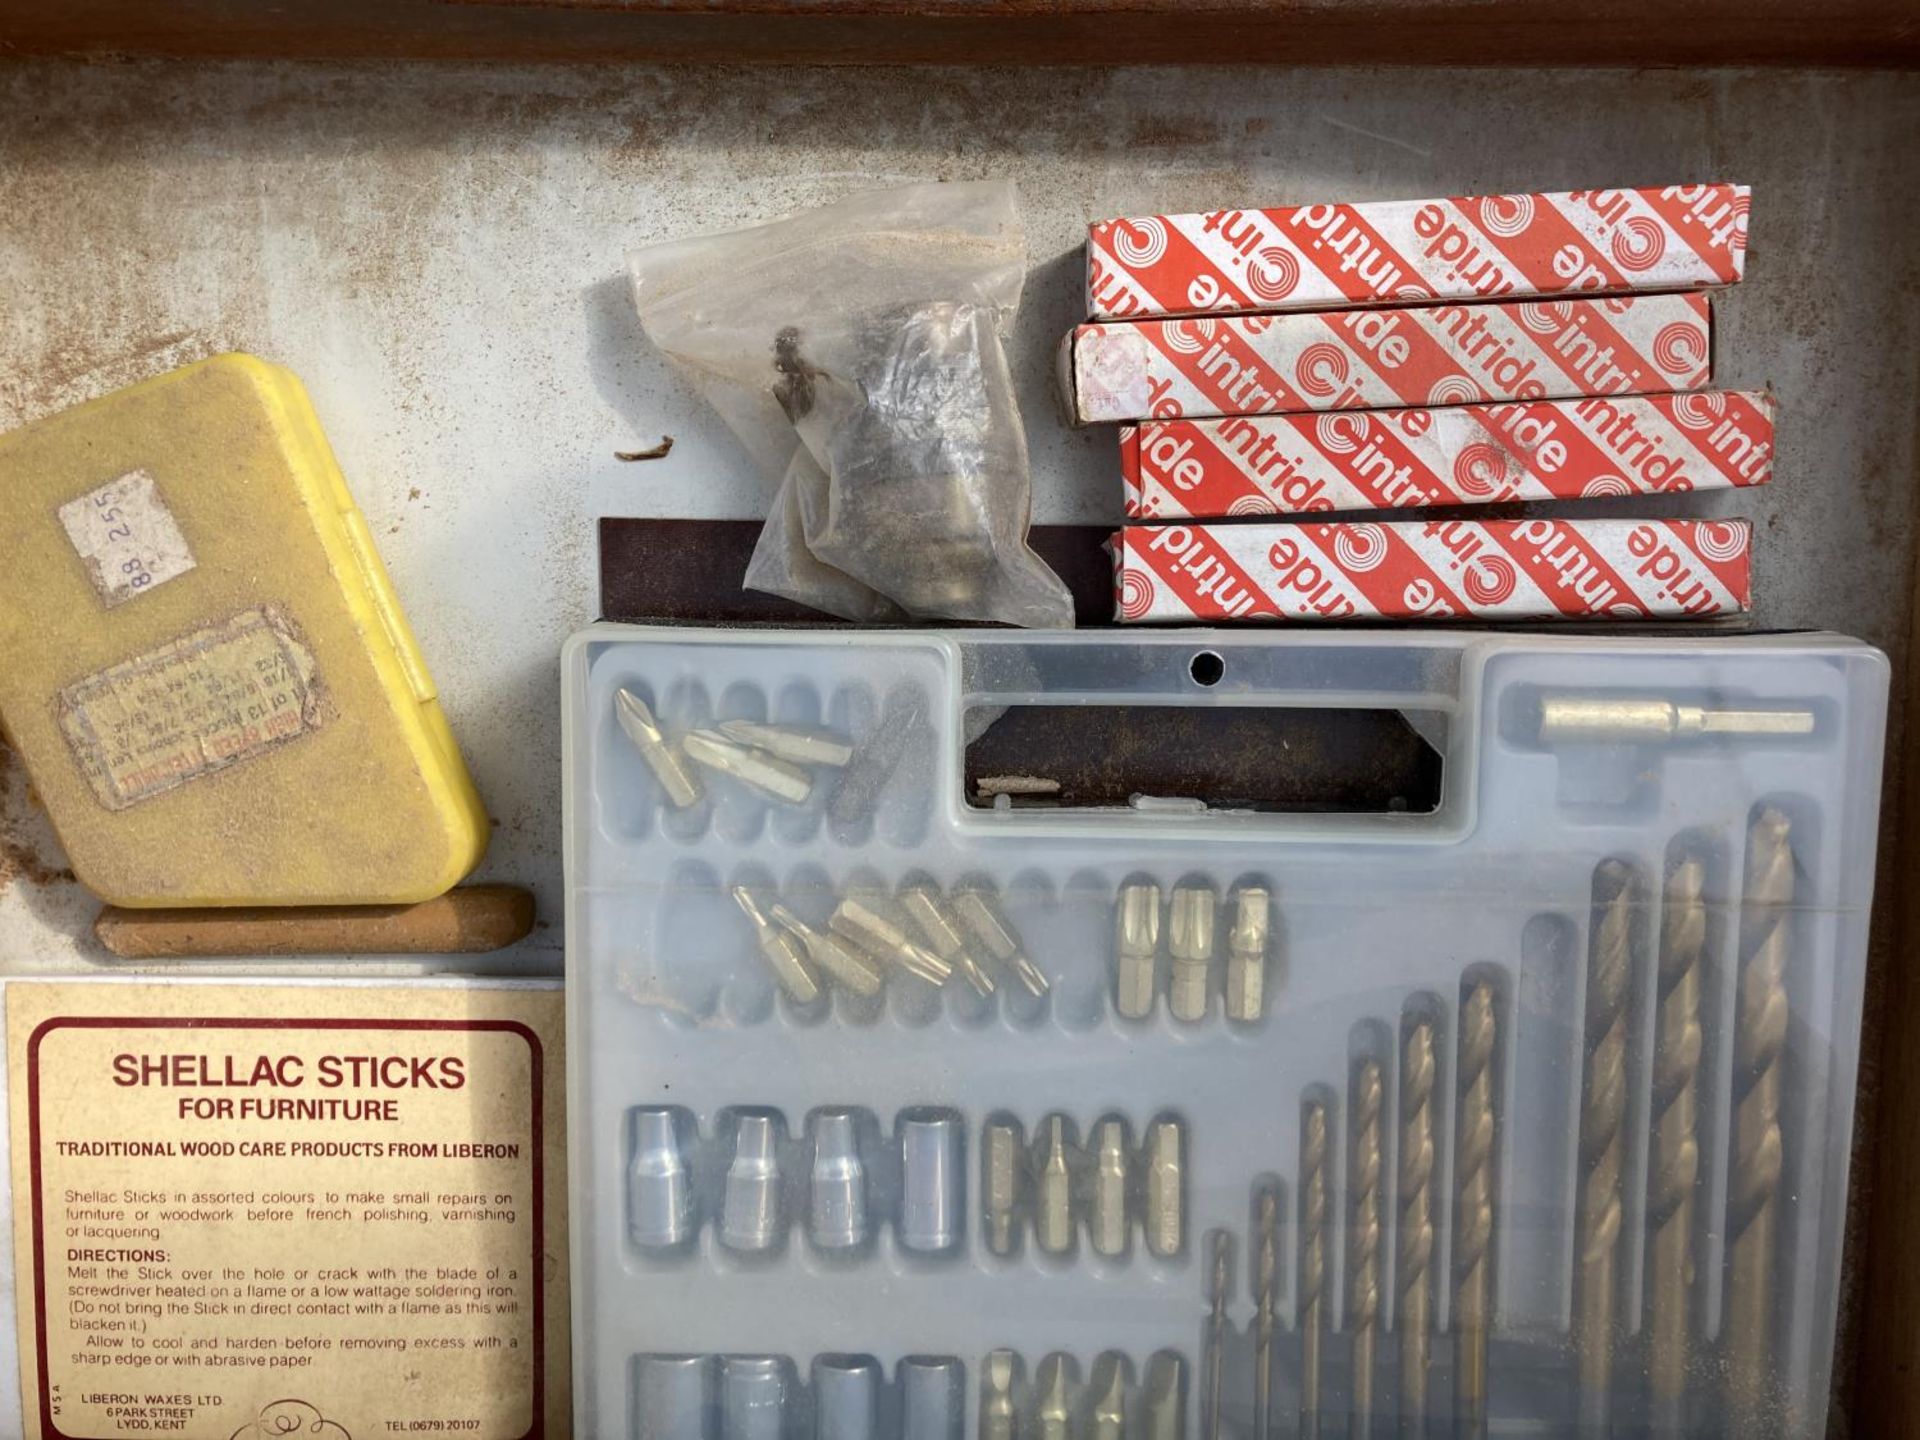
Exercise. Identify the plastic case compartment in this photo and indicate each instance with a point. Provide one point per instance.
(1562, 1117)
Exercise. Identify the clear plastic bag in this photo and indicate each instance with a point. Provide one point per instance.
(856, 351)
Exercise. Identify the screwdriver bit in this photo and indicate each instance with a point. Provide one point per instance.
(1674, 1166)
(659, 1190)
(866, 927)
(1759, 1036)
(993, 935)
(1190, 949)
(929, 911)
(1217, 1282)
(1053, 1198)
(1108, 1225)
(1473, 1162)
(1001, 1187)
(1593, 720)
(1138, 921)
(1266, 1287)
(1163, 1405)
(1165, 1165)
(1413, 1258)
(996, 1395)
(1365, 1166)
(838, 1184)
(1109, 1386)
(782, 951)
(665, 762)
(750, 1204)
(1054, 1408)
(796, 744)
(1315, 1228)
(1603, 1106)
(839, 962)
(773, 778)
(1247, 954)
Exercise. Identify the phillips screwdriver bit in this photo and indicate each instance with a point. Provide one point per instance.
(796, 744)
(1107, 1224)
(1190, 949)
(1054, 1407)
(1109, 1387)
(1138, 923)
(1163, 1405)
(1053, 1199)
(782, 951)
(928, 910)
(997, 1376)
(1596, 720)
(839, 962)
(1001, 1186)
(661, 757)
(993, 935)
(771, 777)
(868, 928)
(1165, 1167)
(750, 1204)
(1247, 954)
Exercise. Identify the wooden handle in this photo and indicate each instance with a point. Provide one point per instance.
(465, 921)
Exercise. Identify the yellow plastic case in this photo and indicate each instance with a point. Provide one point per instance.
(203, 663)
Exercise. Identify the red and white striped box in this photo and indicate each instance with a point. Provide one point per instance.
(1475, 247)
(1601, 445)
(1432, 570)
(1374, 359)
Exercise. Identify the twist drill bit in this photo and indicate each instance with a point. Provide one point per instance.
(1190, 917)
(782, 951)
(1109, 1410)
(1759, 1036)
(1247, 954)
(796, 744)
(871, 930)
(1054, 1409)
(772, 777)
(1581, 719)
(1602, 1139)
(1413, 1257)
(1001, 1157)
(1138, 923)
(1107, 1225)
(1313, 1260)
(1364, 1167)
(996, 1395)
(1166, 1164)
(1217, 1328)
(838, 961)
(994, 936)
(928, 910)
(1473, 1213)
(662, 759)
(1163, 1406)
(1675, 1164)
(1266, 1284)
(1053, 1202)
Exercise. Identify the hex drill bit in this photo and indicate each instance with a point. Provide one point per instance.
(847, 967)
(782, 951)
(1109, 1409)
(1674, 1168)
(1473, 1173)
(796, 744)
(1603, 1108)
(1266, 1286)
(1413, 1256)
(996, 1395)
(928, 910)
(1137, 918)
(1054, 1407)
(992, 933)
(1053, 1192)
(1314, 1225)
(1190, 916)
(1218, 1280)
(637, 721)
(1107, 1223)
(1247, 954)
(1163, 1402)
(1365, 1166)
(866, 927)
(758, 771)
(1759, 1036)
(1165, 1164)
(1001, 1186)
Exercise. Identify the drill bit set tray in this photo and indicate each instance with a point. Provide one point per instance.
(1527, 1114)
